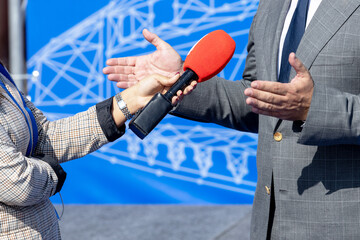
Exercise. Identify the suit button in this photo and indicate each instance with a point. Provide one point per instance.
(267, 190)
(277, 136)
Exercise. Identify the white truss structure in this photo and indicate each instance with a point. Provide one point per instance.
(68, 72)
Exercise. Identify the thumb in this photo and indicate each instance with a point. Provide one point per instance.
(168, 82)
(302, 73)
(297, 65)
(155, 40)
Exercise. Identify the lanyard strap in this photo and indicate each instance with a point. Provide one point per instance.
(33, 127)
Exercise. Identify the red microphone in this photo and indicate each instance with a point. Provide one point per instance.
(206, 59)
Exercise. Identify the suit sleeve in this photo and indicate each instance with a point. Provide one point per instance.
(221, 101)
(333, 118)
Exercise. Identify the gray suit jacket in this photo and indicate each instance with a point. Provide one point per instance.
(315, 169)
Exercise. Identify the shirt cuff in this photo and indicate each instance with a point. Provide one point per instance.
(106, 121)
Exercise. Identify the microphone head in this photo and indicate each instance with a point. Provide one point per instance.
(210, 54)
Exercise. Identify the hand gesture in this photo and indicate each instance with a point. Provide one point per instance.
(287, 101)
(127, 71)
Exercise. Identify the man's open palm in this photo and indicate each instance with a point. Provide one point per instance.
(127, 71)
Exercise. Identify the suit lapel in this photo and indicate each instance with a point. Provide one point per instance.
(274, 42)
(277, 26)
(329, 17)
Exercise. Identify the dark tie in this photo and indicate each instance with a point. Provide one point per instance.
(293, 37)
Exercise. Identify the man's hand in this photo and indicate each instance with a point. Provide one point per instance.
(287, 101)
(128, 71)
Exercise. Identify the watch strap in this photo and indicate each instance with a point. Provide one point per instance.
(123, 107)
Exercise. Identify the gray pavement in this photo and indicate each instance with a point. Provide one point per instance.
(155, 222)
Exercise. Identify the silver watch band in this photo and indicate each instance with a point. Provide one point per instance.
(122, 105)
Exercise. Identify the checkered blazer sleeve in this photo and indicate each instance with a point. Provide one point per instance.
(68, 138)
(24, 181)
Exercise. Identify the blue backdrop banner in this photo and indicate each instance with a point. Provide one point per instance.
(181, 161)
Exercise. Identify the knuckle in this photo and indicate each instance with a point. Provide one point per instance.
(271, 98)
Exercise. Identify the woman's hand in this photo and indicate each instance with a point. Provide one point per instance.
(137, 96)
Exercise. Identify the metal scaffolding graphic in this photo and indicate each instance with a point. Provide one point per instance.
(67, 72)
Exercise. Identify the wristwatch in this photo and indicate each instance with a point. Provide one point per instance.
(122, 105)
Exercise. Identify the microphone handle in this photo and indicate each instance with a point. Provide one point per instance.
(147, 118)
(181, 83)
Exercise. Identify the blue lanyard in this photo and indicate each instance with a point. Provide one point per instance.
(34, 136)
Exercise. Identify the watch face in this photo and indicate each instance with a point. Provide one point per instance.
(122, 104)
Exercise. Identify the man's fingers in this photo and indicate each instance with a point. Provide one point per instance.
(276, 114)
(126, 61)
(108, 70)
(120, 77)
(112, 61)
(119, 70)
(264, 108)
(265, 96)
(260, 105)
(271, 87)
(123, 81)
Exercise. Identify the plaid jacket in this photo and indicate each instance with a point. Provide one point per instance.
(26, 183)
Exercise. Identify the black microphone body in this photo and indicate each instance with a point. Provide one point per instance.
(181, 83)
(159, 106)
